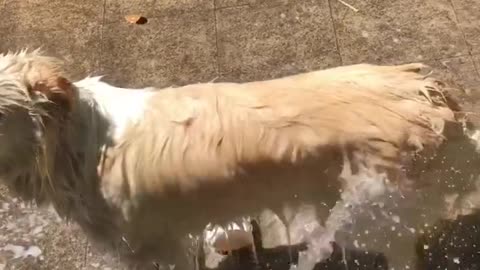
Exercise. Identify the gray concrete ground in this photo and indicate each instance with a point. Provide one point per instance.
(188, 41)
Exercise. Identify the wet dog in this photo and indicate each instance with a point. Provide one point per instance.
(152, 167)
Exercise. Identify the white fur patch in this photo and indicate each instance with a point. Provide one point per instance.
(122, 106)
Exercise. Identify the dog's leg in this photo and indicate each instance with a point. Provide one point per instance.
(286, 216)
(201, 258)
(319, 246)
(248, 225)
(257, 243)
(302, 223)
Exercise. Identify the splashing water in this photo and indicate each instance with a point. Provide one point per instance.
(212, 234)
(364, 188)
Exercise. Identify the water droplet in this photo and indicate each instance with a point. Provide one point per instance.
(37, 230)
(355, 244)
(5, 206)
(396, 219)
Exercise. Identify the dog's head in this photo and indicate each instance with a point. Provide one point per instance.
(33, 95)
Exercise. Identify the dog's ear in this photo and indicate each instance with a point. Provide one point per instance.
(58, 90)
(48, 80)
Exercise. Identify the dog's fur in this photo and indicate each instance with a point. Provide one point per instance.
(152, 166)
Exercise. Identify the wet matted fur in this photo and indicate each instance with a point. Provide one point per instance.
(152, 166)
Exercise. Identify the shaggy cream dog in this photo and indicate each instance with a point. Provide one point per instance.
(152, 166)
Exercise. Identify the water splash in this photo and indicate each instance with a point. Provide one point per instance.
(364, 188)
(21, 251)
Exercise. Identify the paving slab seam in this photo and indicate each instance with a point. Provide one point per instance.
(337, 43)
(102, 26)
(255, 6)
(235, 6)
(217, 66)
(467, 44)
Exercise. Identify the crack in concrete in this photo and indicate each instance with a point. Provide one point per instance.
(465, 40)
(334, 28)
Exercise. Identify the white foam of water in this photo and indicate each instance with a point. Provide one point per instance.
(362, 189)
(5, 206)
(22, 252)
(213, 231)
(37, 230)
(16, 250)
(33, 251)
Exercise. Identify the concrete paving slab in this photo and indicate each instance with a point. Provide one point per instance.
(253, 3)
(33, 238)
(468, 16)
(459, 70)
(34, 16)
(476, 61)
(78, 47)
(260, 43)
(397, 31)
(475, 92)
(176, 49)
(115, 10)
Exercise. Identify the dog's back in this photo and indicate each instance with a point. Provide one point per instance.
(211, 152)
